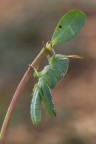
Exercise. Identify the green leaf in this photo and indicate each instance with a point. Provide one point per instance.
(69, 25)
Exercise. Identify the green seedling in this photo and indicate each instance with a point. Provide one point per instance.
(67, 28)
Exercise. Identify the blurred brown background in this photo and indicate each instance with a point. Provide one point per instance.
(23, 27)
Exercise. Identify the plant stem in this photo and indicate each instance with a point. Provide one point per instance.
(19, 91)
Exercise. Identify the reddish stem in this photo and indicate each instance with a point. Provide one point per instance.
(18, 93)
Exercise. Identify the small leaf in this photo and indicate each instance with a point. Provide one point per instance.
(69, 25)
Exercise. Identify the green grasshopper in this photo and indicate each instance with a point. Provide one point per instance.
(48, 78)
(69, 25)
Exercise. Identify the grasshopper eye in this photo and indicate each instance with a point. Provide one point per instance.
(59, 65)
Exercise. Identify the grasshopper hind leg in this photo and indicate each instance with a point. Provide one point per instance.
(47, 99)
(36, 106)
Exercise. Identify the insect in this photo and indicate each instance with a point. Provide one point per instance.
(67, 28)
(47, 80)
